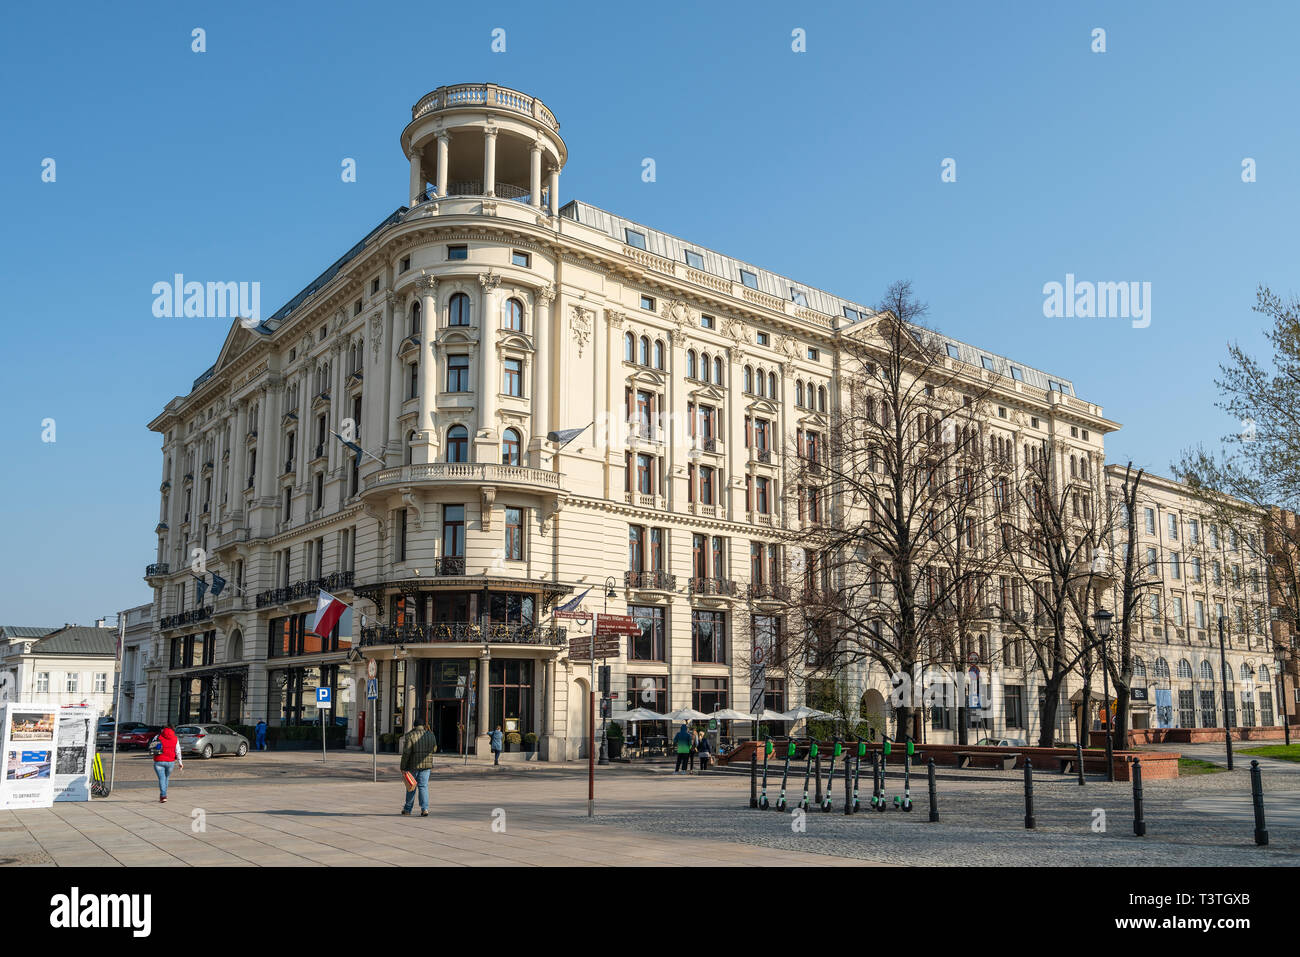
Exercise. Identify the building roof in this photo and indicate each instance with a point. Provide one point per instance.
(8, 632)
(78, 640)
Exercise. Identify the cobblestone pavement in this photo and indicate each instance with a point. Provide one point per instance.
(292, 809)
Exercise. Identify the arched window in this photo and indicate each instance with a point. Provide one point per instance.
(821, 398)
(749, 380)
(410, 446)
(759, 380)
(1263, 674)
(1162, 668)
(771, 385)
(415, 318)
(717, 370)
(704, 367)
(629, 348)
(691, 369)
(510, 447)
(659, 354)
(458, 310)
(798, 394)
(1184, 668)
(1207, 673)
(811, 394)
(1139, 667)
(514, 315)
(457, 444)
(645, 351)
(1246, 673)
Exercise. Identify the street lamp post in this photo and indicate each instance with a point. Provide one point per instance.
(1103, 619)
(604, 749)
(1223, 677)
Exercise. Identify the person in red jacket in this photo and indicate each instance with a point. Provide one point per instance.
(167, 757)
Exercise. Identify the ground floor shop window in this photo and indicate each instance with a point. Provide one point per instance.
(649, 644)
(1266, 708)
(1207, 709)
(1186, 709)
(510, 688)
(292, 696)
(191, 699)
(650, 692)
(710, 694)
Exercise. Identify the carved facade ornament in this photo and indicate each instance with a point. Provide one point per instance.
(376, 335)
(580, 325)
(615, 318)
(489, 280)
(546, 295)
(489, 495)
(677, 311)
(736, 329)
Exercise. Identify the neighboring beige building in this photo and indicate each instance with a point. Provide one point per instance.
(449, 344)
(137, 645)
(1198, 574)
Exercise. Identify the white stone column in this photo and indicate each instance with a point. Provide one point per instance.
(444, 146)
(489, 320)
(609, 364)
(481, 739)
(239, 457)
(395, 380)
(267, 468)
(541, 371)
(555, 190)
(535, 176)
(417, 176)
(489, 160)
(304, 445)
(427, 289)
(731, 425)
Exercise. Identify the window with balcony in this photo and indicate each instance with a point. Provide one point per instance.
(706, 485)
(458, 444)
(510, 443)
(453, 531)
(649, 644)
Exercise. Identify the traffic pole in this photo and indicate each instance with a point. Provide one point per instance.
(934, 799)
(591, 749)
(1139, 823)
(1257, 798)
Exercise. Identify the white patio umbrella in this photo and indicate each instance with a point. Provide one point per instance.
(730, 714)
(686, 714)
(767, 714)
(640, 714)
(803, 711)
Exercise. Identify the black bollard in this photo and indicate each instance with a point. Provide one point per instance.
(848, 786)
(817, 764)
(1078, 748)
(1029, 795)
(753, 778)
(934, 798)
(1257, 797)
(1139, 824)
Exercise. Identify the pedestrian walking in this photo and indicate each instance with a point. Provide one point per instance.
(682, 743)
(167, 757)
(261, 734)
(418, 747)
(496, 738)
(706, 751)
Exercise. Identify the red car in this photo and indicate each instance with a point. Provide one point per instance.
(137, 737)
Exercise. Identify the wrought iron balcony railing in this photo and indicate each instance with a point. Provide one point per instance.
(465, 632)
(450, 566)
(304, 589)
(769, 592)
(186, 617)
(713, 586)
(652, 581)
(157, 568)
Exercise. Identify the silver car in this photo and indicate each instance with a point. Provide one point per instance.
(207, 740)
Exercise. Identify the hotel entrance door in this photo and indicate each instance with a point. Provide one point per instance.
(445, 718)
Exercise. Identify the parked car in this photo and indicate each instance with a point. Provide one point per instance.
(104, 731)
(138, 736)
(208, 740)
(1001, 743)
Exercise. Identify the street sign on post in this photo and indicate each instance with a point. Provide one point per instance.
(372, 689)
(372, 668)
(322, 705)
(616, 625)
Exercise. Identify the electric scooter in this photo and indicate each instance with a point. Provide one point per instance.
(904, 803)
(767, 753)
(807, 773)
(875, 779)
(830, 782)
(886, 747)
(780, 801)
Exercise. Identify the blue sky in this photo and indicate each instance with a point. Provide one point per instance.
(824, 165)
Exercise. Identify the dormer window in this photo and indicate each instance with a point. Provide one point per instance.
(635, 238)
(694, 259)
(797, 297)
(747, 278)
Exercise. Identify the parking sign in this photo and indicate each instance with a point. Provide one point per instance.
(323, 698)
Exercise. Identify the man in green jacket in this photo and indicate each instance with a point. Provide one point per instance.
(418, 747)
(682, 740)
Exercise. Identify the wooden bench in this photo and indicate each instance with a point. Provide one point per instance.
(1005, 761)
(1067, 764)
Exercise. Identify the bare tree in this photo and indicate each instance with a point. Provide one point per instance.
(1128, 585)
(881, 567)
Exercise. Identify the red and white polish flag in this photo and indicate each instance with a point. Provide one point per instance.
(328, 612)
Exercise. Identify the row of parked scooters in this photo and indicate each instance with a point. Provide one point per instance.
(879, 761)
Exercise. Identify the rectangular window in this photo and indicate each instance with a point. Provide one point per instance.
(520, 259)
(1150, 515)
(458, 373)
(707, 322)
(634, 238)
(815, 356)
(1173, 527)
(656, 549)
(1017, 374)
(1208, 709)
(709, 694)
(42, 682)
(709, 637)
(1193, 531)
(457, 252)
(636, 548)
(453, 531)
(706, 485)
(694, 259)
(1186, 709)
(760, 495)
(747, 278)
(649, 644)
(1178, 611)
(514, 377)
(648, 302)
(645, 474)
(1013, 700)
(763, 339)
(71, 682)
(514, 534)
(1175, 569)
(401, 535)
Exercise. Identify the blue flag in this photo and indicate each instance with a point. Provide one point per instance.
(573, 603)
(218, 583)
(200, 589)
